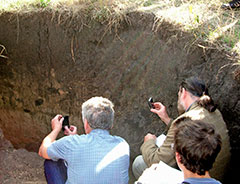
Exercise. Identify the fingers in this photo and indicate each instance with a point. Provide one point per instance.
(57, 117)
(73, 128)
(67, 131)
(70, 131)
(149, 136)
(158, 105)
(61, 118)
(154, 111)
(57, 122)
(161, 111)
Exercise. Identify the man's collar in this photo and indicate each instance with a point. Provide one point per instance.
(193, 105)
(99, 131)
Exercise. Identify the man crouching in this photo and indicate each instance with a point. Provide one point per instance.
(94, 157)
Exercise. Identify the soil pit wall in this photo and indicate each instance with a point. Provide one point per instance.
(55, 65)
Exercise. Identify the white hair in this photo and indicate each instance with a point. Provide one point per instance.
(99, 113)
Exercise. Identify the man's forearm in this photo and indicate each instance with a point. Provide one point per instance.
(153, 154)
(166, 119)
(47, 141)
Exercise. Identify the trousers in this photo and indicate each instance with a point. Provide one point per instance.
(55, 171)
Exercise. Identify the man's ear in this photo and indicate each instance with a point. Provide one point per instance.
(178, 157)
(184, 93)
(87, 127)
(179, 161)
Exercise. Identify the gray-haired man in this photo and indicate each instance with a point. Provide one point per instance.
(94, 157)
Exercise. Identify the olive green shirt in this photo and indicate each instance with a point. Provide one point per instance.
(153, 154)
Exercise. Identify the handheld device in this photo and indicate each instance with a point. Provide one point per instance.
(65, 122)
(150, 103)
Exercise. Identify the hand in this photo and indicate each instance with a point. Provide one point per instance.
(161, 111)
(70, 131)
(51, 137)
(149, 136)
(57, 122)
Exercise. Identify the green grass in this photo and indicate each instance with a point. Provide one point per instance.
(204, 19)
(44, 3)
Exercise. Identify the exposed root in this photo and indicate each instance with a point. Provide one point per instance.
(72, 49)
(2, 50)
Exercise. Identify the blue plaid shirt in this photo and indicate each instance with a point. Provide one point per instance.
(95, 158)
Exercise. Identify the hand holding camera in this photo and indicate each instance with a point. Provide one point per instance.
(59, 122)
(68, 129)
(159, 109)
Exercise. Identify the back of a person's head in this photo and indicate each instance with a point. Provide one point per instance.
(198, 145)
(198, 88)
(99, 113)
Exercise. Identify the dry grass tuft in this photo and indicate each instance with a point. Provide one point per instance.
(202, 18)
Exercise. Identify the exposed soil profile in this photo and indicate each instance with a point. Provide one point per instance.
(54, 65)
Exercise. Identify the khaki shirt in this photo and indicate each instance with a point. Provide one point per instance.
(153, 154)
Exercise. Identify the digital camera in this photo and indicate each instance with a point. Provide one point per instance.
(65, 122)
(150, 103)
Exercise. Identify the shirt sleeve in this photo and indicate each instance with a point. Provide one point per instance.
(153, 154)
(59, 149)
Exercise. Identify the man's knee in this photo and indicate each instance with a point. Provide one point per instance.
(138, 166)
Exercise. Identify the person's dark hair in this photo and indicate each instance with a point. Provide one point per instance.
(198, 88)
(197, 143)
